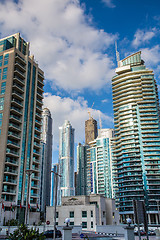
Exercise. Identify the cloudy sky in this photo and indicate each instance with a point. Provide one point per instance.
(74, 43)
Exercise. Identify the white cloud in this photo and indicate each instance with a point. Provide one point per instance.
(151, 56)
(109, 3)
(142, 36)
(67, 48)
(76, 111)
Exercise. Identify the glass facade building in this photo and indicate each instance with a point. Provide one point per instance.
(21, 94)
(81, 186)
(46, 162)
(137, 136)
(99, 164)
(66, 160)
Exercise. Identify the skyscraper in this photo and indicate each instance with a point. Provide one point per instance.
(90, 130)
(137, 136)
(46, 158)
(81, 169)
(99, 164)
(66, 159)
(55, 169)
(21, 94)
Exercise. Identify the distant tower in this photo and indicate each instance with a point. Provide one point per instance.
(81, 169)
(46, 158)
(90, 130)
(99, 164)
(66, 159)
(55, 169)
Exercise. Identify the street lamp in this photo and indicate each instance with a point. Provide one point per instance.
(56, 175)
(29, 173)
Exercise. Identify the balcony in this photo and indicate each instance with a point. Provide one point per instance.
(18, 87)
(10, 182)
(9, 191)
(10, 171)
(14, 127)
(20, 59)
(13, 144)
(15, 119)
(35, 152)
(12, 152)
(17, 94)
(13, 135)
(36, 160)
(18, 72)
(20, 66)
(16, 110)
(11, 162)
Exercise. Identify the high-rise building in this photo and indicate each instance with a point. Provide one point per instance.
(55, 169)
(90, 130)
(81, 169)
(137, 136)
(99, 164)
(21, 94)
(46, 162)
(66, 160)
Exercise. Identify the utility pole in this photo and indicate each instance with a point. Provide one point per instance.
(56, 175)
(29, 173)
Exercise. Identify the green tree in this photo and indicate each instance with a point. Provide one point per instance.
(23, 232)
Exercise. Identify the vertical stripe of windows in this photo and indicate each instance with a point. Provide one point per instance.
(0, 73)
(4, 76)
(1, 60)
(6, 57)
(3, 87)
(1, 116)
(1, 103)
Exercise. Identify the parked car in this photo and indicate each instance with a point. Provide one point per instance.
(50, 233)
(151, 233)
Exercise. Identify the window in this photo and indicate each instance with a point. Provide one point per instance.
(71, 214)
(4, 76)
(1, 103)
(56, 223)
(1, 116)
(0, 73)
(84, 213)
(104, 213)
(1, 60)
(91, 224)
(3, 87)
(91, 213)
(84, 224)
(57, 214)
(6, 57)
(71, 223)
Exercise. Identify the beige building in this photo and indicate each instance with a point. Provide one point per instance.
(87, 211)
(21, 94)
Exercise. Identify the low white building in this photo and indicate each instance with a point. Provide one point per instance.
(88, 211)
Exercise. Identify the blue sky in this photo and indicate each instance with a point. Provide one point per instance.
(74, 43)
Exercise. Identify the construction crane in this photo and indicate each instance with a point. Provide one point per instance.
(90, 112)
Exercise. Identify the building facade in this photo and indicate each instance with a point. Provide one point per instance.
(55, 169)
(90, 130)
(66, 160)
(81, 186)
(46, 163)
(21, 94)
(137, 136)
(85, 211)
(99, 164)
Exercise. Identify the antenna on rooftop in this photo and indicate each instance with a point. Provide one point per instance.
(117, 53)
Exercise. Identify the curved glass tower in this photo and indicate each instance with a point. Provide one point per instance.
(66, 159)
(137, 136)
